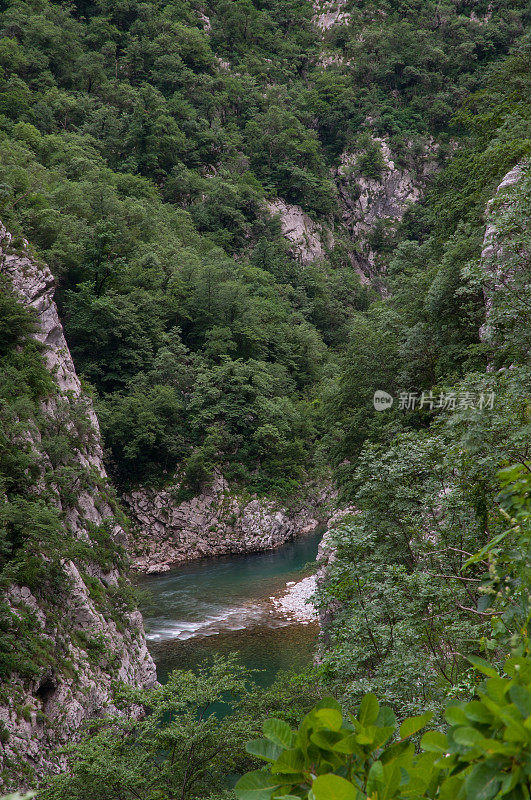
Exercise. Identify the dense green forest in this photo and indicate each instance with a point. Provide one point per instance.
(136, 159)
(140, 143)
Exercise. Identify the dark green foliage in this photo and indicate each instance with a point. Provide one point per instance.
(395, 590)
(139, 146)
(485, 753)
(184, 746)
(506, 588)
(401, 614)
(370, 162)
(15, 322)
(129, 148)
(22, 648)
(426, 334)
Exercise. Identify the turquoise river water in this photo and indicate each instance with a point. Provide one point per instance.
(222, 605)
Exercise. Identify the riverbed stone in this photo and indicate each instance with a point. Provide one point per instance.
(295, 603)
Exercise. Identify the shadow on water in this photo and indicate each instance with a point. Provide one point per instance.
(222, 605)
(269, 650)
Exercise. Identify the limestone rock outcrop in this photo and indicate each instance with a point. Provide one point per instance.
(369, 207)
(368, 202)
(94, 635)
(217, 522)
(328, 13)
(506, 266)
(309, 240)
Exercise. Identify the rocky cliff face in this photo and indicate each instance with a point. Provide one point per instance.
(505, 268)
(370, 208)
(216, 522)
(373, 206)
(93, 632)
(328, 13)
(309, 241)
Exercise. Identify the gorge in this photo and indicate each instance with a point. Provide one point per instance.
(225, 604)
(225, 227)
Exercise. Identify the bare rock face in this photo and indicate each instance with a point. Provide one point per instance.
(309, 240)
(506, 264)
(367, 202)
(326, 555)
(217, 522)
(328, 13)
(369, 206)
(94, 636)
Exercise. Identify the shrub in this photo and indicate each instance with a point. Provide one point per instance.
(485, 753)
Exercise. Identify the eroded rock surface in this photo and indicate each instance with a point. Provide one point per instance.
(95, 636)
(216, 522)
(506, 264)
(328, 13)
(308, 239)
(382, 200)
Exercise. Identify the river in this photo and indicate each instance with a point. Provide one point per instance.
(222, 605)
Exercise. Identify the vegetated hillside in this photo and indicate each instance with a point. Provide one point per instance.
(139, 145)
(404, 613)
(425, 589)
(401, 612)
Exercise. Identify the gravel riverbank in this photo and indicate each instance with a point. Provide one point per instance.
(295, 604)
